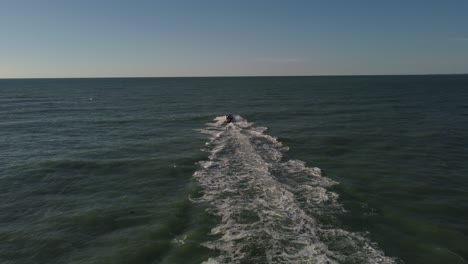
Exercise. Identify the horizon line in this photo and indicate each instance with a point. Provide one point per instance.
(234, 76)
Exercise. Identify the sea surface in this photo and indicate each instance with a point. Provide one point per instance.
(363, 169)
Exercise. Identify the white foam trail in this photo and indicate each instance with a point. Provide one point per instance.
(272, 211)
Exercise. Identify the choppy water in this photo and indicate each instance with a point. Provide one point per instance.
(144, 171)
(270, 209)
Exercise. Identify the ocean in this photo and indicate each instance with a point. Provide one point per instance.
(343, 169)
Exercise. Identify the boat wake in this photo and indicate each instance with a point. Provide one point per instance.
(272, 210)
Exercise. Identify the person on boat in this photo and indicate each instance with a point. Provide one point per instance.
(229, 118)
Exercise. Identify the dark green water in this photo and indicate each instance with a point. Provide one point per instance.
(101, 170)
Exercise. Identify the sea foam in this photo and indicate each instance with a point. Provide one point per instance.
(272, 210)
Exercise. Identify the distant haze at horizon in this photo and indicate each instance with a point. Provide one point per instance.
(60, 39)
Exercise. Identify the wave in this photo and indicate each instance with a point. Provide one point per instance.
(271, 210)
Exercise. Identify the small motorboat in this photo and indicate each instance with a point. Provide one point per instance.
(229, 119)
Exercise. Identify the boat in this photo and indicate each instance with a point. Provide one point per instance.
(229, 119)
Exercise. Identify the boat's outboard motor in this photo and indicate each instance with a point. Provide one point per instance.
(229, 118)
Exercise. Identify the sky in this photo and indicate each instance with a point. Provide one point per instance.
(103, 38)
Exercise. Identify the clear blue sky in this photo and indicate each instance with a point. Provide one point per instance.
(68, 38)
